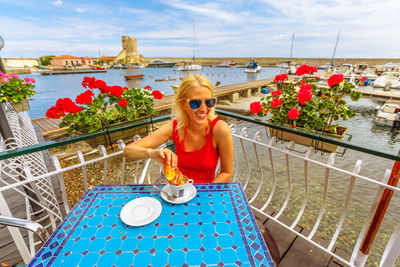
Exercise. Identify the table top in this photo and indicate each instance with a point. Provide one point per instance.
(215, 228)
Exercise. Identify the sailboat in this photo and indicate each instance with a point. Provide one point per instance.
(189, 65)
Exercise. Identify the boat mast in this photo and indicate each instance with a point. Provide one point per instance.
(194, 48)
(334, 51)
(291, 49)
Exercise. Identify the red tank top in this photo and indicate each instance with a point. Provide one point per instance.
(198, 165)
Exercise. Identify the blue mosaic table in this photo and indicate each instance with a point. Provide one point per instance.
(215, 228)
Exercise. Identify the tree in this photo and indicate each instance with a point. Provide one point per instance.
(45, 60)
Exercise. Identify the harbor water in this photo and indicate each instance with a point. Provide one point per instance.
(362, 130)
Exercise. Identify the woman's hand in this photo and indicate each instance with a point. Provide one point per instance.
(163, 155)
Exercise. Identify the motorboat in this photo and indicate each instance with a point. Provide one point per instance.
(253, 67)
(227, 64)
(388, 80)
(188, 66)
(160, 63)
(325, 66)
(386, 114)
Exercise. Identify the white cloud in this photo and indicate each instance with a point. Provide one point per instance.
(57, 3)
(80, 10)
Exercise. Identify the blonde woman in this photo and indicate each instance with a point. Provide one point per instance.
(199, 136)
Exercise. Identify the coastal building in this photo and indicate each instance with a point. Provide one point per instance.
(14, 63)
(108, 60)
(67, 60)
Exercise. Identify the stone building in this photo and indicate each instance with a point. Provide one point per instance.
(129, 53)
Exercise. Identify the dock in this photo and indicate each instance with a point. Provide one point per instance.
(59, 72)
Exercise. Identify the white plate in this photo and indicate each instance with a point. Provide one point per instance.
(141, 211)
(190, 192)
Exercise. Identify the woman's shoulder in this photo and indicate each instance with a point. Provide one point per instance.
(221, 129)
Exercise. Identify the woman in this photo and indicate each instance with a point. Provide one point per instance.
(199, 136)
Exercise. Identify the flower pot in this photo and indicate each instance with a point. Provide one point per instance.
(306, 141)
(20, 106)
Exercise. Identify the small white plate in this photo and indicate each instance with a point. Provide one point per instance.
(190, 192)
(141, 211)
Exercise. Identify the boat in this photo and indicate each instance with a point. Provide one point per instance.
(160, 63)
(387, 81)
(386, 114)
(227, 64)
(134, 77)
(165, 80)
(190, 65)
(97, 67)
(187, 66)
(253, 67)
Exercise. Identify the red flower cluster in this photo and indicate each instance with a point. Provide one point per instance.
(156, 94)
(293, 113)
(255, 107)
(122, 103)
(85, 98)
(363, 79)
(63, 106)
(280, 78)
(88, 82)
(276, 102)
(147, 87)
(305, 69)
(305, 93)
(335, 79)
(276, 93)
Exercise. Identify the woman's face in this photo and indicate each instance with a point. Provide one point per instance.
(199, 115)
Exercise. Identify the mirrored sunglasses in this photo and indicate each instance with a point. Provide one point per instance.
(196, 103)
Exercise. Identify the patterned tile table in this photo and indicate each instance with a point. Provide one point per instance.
(215, 228)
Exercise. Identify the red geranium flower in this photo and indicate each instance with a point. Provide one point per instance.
(99, 84)
(293, 113)
(276, 93)
(123, 103)
(85, 98)
(305, 69)
(255, 107)
(335, 79)
(304, 95)
(156, 94)
(116, 90)
(306, 86)
(147, 87)
(280, 78)
(276, 102)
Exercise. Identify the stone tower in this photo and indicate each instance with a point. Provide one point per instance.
(130, 46)
(129, 53)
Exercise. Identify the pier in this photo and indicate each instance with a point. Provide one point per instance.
(59, 72)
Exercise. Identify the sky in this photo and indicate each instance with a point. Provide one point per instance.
(183, 28)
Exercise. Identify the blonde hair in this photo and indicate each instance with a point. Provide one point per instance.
(188, 83)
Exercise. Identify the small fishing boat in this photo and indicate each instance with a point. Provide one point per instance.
(165, 80)
(253, 67)
(134, 77)
(386, 114)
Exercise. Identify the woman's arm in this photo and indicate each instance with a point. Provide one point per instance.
(145, 148)
(225, 148)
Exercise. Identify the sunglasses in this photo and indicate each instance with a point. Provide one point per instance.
(196, 103)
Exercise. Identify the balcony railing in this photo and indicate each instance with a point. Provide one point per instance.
(291, 185)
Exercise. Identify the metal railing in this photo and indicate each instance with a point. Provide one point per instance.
(278, 181)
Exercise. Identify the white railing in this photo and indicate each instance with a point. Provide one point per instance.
(269, 173)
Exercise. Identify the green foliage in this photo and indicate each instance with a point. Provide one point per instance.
(318, 113)
(45, 60)
(14, 89)
(104, 111)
